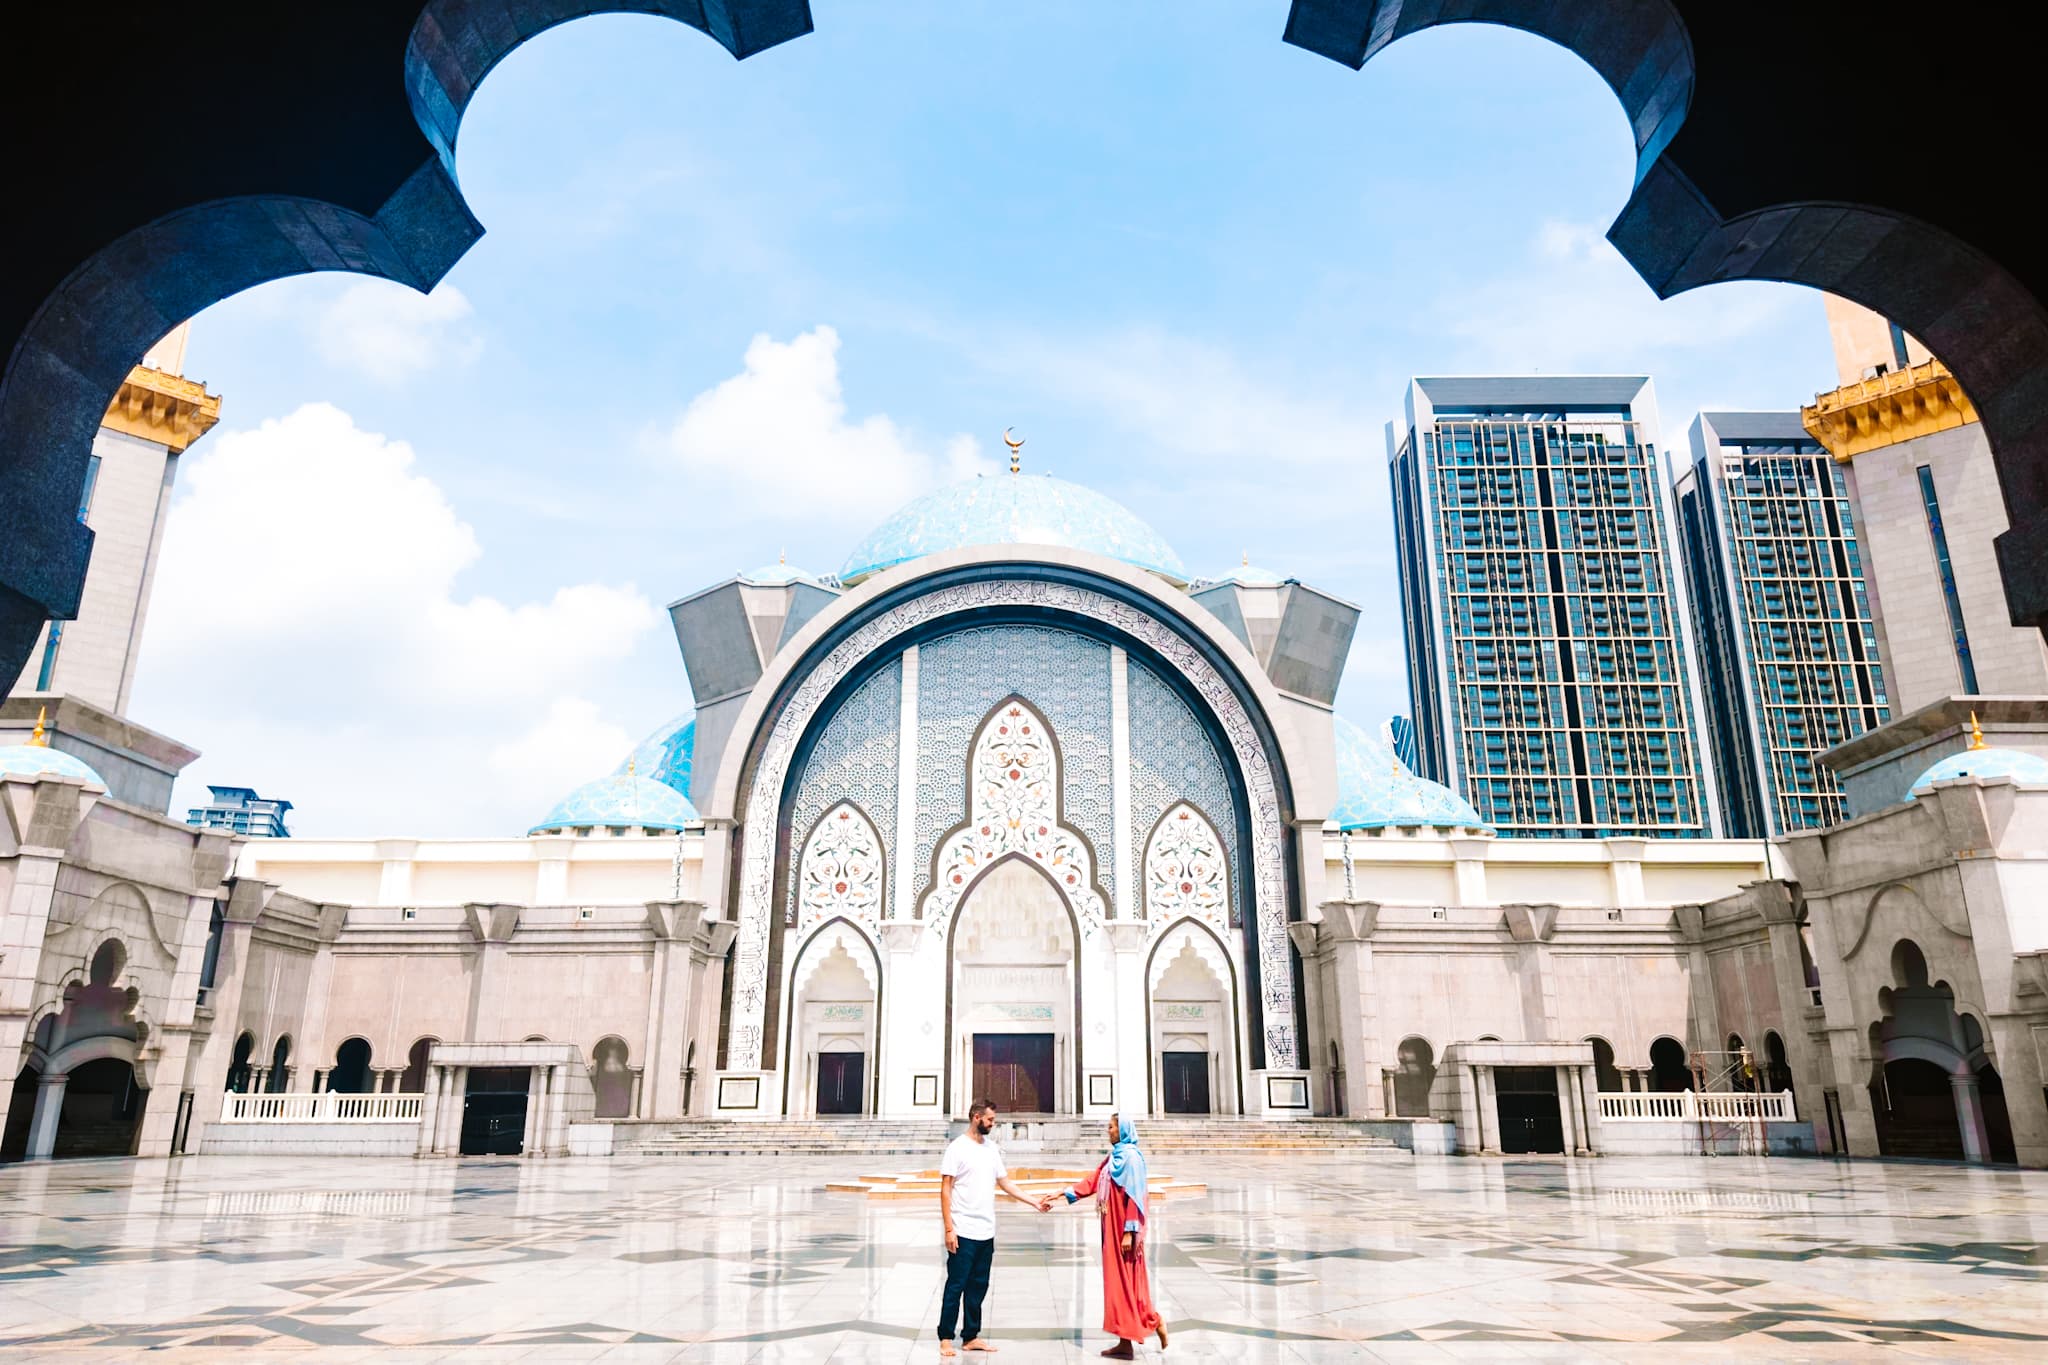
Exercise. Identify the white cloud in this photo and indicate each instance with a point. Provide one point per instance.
(306, 624)
(774, 439)
(390, 332)
(1192, 397)
(1576, 305)
(565, 748)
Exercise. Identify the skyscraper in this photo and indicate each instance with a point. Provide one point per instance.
(1787, 636)
(1548, 652)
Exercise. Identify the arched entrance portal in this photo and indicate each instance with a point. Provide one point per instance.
(1015, 1002)
(834, 1015)
(1193, 1024)
(87, 1099)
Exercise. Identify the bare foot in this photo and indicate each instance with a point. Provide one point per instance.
(946, 1350)
(1121, 1351)
(1161, 1329)
(978, 1344)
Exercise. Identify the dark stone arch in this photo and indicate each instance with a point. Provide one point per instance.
(328, 135)
(1744, 171)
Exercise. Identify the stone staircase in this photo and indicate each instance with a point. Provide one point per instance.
(783, 1137)
(1178, 1136)
(1219, 1135)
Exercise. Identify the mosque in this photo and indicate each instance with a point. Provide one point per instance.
(1012, 805)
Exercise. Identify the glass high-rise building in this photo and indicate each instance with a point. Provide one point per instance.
(1788, 641)
(1549, 659)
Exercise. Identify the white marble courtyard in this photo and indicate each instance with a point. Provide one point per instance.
(1284, 1260)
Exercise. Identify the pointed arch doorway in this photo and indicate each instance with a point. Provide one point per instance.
(1013, 989)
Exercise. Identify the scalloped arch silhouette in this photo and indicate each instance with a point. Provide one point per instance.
(351, 171)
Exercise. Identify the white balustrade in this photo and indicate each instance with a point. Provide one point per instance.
(331, 1106)
(1719, 1106)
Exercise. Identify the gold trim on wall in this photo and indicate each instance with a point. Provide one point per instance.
(1882, 411)
(165, 408)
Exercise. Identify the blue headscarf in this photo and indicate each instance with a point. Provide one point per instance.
(1127, 1164)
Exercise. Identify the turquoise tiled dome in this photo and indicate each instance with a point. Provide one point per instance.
(1013, 509)
(779, 573)
(36, 760)
(2012, 763)
(1246, 574)
(665, 755)
(620, 801)
(1375, 790)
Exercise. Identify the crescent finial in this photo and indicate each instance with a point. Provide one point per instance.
(1015, 443)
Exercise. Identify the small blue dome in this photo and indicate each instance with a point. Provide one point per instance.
(621, 801)
(1013, 509)
(1376, 790)
(2012, 763)
(36, 760)
(1246, 574)
(779, 573)
(665, 755)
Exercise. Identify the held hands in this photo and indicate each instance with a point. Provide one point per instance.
(1045, 1203)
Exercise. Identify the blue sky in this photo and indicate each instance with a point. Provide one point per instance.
(726, 310)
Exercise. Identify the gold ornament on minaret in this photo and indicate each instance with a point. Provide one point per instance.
(1015, 443)
(40, 737)
(1976, 732)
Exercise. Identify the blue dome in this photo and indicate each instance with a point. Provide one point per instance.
(36, 760)
(779, 573)
(621, 801)
(1013, 509)
(1246, 574)
(2012, 763)
(1375, 789)
(665, 755)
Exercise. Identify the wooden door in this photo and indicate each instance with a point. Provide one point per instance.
(842, 1082)
(1013, 1071)
(1185, 1076)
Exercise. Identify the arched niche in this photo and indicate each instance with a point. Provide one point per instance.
(1013, 992)
(833, 1065)
(1192, 1020)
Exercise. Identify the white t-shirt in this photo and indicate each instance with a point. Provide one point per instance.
(975, 1168)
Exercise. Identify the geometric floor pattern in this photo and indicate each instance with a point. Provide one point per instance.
(1285, 1259)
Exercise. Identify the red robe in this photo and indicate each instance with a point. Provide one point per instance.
(1127, 1310)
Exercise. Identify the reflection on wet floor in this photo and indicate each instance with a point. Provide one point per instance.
(1283, 1259)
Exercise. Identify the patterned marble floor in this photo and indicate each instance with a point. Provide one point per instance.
(1285, 1260)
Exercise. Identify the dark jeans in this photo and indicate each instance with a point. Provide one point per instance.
(966, 1271)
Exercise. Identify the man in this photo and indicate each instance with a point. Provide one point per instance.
(969, 1176)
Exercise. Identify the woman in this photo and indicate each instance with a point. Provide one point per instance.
(1119, 1189)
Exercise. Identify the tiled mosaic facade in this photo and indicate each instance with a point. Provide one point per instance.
(1011, 809)
(1185, 872)
(855, 760)
(757, 892)
(962, 676)
(1173, 760)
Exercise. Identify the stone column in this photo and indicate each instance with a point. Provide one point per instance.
(1567, 1113)
(898, 1040)
(2019, 1068)
(535, 1104)
(1132, 1029)
(1970, 1117)
(673, 924)
(430, 1110)
(257, 1076)
(42, 1128)
(45, 819)
(1347, 928)
(457, 1082)
(1489, 1110)
(639, 1079)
